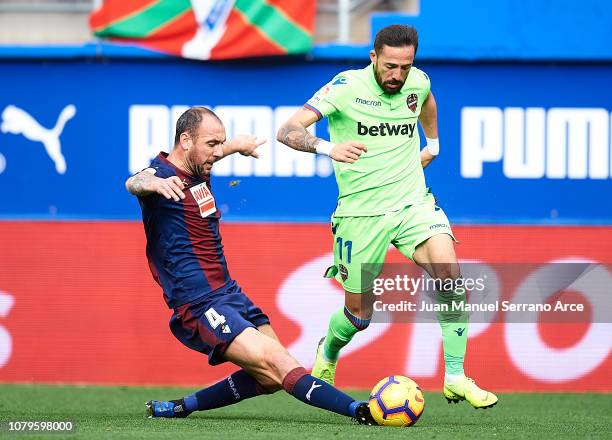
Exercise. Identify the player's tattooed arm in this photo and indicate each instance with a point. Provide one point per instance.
(294, 135)
(145, 183)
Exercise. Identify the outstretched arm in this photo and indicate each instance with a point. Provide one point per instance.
(244, 144)
(429, 123)
(145, 183)
(293, 133)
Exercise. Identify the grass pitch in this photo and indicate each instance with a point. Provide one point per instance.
(118, 412)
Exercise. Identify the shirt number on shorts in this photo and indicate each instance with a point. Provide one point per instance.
(214, 319)
(349, 247)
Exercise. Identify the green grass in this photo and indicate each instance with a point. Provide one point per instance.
(118, 412)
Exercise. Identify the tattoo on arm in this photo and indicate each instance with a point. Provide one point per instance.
(297, 137)
(136, 184)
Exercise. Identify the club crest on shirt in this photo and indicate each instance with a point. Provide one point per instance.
(412, 101)
(343, 272)
(204, 199)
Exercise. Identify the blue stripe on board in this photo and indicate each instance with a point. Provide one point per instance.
(321, 220)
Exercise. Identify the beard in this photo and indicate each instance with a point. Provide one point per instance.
(198, 169)
(385, 85)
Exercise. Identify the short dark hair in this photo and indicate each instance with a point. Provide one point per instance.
(396, 35)
(190, 121)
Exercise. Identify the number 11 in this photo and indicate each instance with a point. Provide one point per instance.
(349, 247)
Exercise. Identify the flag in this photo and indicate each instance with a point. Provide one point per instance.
(209, 29)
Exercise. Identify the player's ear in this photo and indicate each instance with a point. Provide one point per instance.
(373, 56)
(185, 141)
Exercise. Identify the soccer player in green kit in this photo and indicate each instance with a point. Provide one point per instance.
(383, 200)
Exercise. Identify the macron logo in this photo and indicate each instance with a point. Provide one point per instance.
(369, 102)
(312, 388)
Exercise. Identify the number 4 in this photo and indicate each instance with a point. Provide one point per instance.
(214, 318)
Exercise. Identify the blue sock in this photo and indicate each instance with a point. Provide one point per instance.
(359, 323)
(234, 388)
(315, 392)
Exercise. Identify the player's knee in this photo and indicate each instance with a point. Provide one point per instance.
(353, 309)
(447, 274)
(358, 308)
(277, 362)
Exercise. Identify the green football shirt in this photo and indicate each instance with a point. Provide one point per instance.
(389, 176)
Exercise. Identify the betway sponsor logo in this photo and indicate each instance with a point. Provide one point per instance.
(386, 129)
(151, 130)
(558, 143)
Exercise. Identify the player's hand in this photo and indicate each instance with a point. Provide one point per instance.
(246, 144)
(170, 187)
(348, 151)
(426, 157)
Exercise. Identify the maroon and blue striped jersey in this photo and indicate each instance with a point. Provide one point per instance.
(184, 246)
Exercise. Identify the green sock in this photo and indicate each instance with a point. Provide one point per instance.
(454, 326)
(339, 333)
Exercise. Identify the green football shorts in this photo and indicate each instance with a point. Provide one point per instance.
(361, 243)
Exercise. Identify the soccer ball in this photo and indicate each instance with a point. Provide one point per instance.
(396, 401)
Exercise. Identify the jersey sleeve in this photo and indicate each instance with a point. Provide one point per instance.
(331, 97)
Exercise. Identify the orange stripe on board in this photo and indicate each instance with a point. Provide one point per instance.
(116, 10)
(242, 39)
(299, 12)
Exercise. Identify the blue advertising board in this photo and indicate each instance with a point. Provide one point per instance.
(519, 143)
(508, 29)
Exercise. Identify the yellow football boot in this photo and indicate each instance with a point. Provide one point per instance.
(469, 391)
(323, 369)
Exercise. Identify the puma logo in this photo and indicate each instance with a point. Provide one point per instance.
(18, 121)
(459, 331)
(312, 388)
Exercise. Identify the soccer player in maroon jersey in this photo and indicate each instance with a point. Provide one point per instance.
(211, 313)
